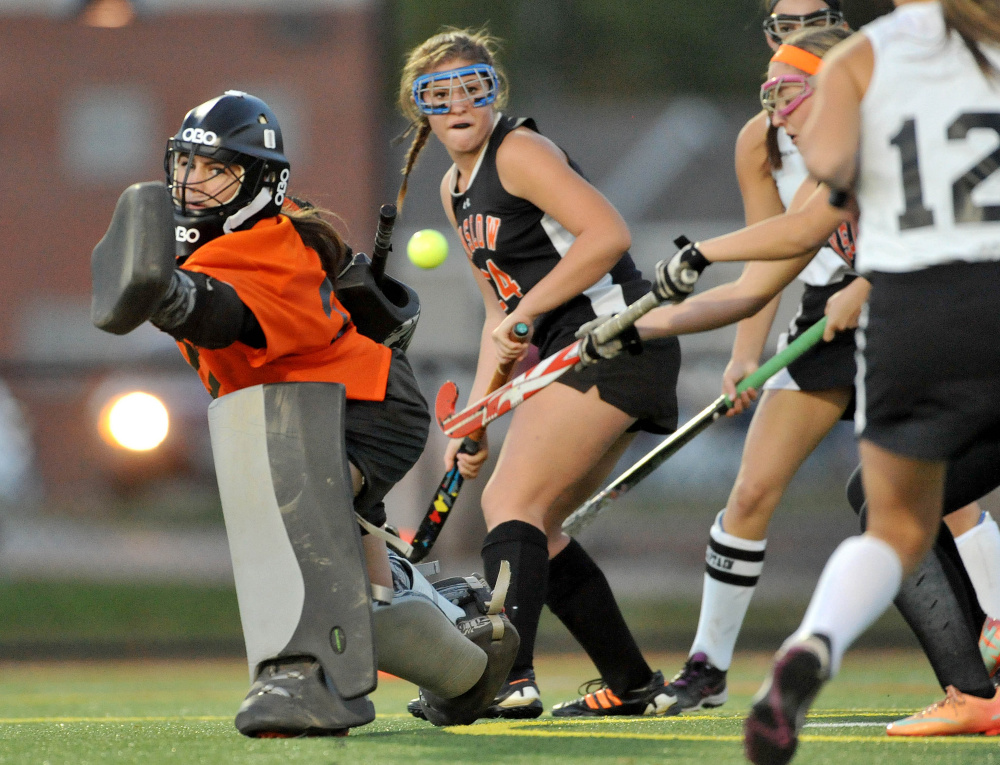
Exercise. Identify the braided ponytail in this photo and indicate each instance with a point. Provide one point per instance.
(423, 132)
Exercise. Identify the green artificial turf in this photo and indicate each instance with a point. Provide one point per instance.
(181, 712)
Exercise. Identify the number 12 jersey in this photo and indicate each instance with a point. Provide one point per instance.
(929, 178)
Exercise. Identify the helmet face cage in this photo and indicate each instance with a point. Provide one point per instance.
(179, 161)
(784, 94)
(435, 93)
(779, 25)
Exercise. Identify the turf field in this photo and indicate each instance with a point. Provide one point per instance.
(166, 712)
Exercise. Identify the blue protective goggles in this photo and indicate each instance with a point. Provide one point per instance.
(436, 92)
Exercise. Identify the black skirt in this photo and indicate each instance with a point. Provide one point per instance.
(929, 360)
(386, 438)
(642, 386)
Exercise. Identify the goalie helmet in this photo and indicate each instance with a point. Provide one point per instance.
(241, 132)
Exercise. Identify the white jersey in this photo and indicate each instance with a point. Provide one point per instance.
(928, 185)
(827, 267)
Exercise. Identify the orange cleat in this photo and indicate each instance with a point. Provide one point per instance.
(989, 645)
(958, 714)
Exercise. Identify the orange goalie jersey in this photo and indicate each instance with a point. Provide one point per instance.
(310, 336)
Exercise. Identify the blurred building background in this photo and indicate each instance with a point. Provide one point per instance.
(647, 96)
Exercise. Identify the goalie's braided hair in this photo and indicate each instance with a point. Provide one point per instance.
(451, 44)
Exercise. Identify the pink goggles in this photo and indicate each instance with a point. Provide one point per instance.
(783, 94)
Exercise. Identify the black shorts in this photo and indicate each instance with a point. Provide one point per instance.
(386, 438)
(929, 360)
(642, 386)
(825, 366)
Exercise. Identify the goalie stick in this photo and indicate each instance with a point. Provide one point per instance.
(444, 499)
(590, 509)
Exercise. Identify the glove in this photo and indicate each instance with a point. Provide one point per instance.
(675, 278)
(592, 351)
(178, 303)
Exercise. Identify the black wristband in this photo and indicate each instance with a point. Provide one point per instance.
(630, 340)
(838, 198)
(695, 259)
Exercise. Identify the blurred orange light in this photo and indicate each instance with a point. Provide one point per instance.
(109, 14)
(135, 421)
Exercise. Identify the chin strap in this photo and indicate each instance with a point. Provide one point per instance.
(237, 219)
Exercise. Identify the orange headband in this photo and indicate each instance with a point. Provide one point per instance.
(800, 59)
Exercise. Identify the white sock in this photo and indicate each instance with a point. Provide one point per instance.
(980, 551)
(732, 568)
(859, 582)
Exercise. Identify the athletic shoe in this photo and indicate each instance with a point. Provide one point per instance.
(989, 645)
(779, 709)
(649, 699)
(292, 698)
(697, 685)
(958, 713)
(518, 699)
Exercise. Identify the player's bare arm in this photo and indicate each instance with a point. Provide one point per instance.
(760, 202)
(830, 136)
(533, 168)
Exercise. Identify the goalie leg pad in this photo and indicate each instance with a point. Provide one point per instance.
(301, 578)
(488, 627)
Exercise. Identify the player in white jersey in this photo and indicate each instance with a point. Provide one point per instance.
(918, 93)
(801, 404)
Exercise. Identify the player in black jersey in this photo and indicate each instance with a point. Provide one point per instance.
(546, 249)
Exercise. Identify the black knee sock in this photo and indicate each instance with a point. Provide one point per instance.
(939, 604)
(580, 596)
(526, 548)
(947, 551)
(928, 601)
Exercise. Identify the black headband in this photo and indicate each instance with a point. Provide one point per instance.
(833, 5)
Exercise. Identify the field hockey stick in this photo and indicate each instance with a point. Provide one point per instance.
(589, 510)
(444, 499)
(524, 386)
(383, 241)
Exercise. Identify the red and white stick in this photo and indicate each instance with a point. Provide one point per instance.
(526, 385)
(503, 399)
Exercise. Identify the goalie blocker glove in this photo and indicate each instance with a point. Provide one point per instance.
(592, 351)
(676, 277)
(206, 312)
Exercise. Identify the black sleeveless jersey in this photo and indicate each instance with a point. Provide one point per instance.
(515, 244)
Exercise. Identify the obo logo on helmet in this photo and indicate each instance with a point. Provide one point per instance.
(279, 195)
(185, 234)
(200, 135)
